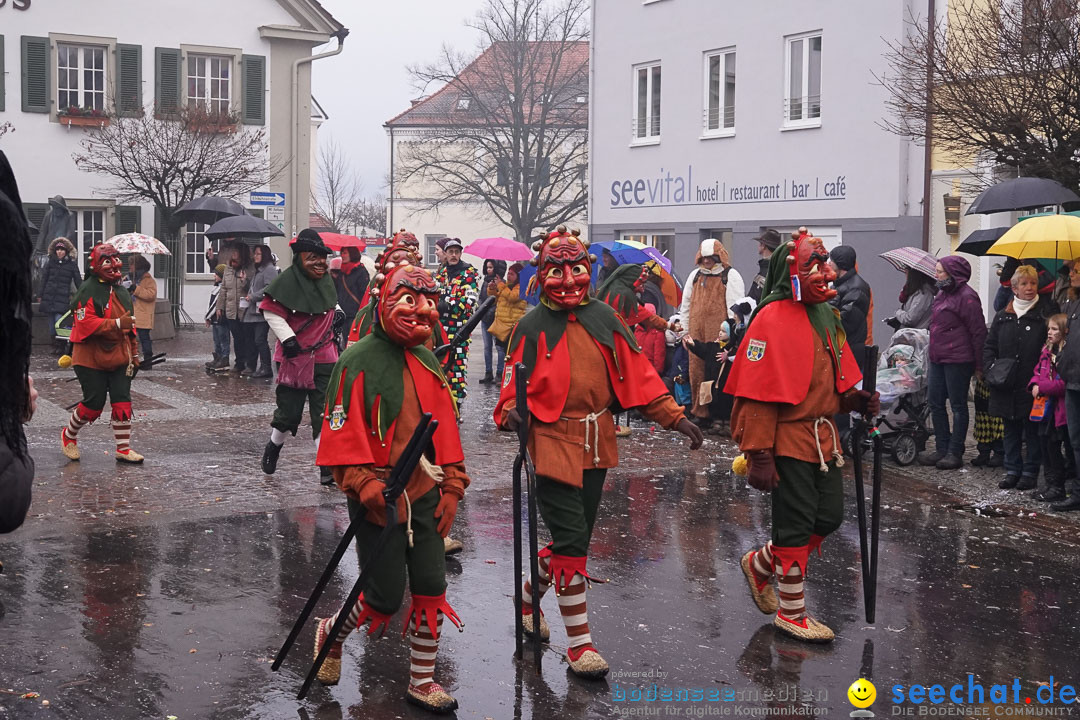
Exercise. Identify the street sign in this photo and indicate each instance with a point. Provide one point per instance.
(267, 198)
(275, 213)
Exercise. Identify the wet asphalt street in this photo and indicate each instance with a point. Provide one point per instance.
(165, 590)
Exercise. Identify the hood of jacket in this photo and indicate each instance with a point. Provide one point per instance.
(958, 268)
(64, 243)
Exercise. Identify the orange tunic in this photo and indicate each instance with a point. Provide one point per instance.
(788, 430)
(455, 479)
(109, 347)
(562, 449)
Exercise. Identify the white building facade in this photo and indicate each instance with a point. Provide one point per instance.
(722, 119)
(250, 58)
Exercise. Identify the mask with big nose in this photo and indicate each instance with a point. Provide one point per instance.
(407, 297)
(810, 270)
(564, 267)
(105, 263)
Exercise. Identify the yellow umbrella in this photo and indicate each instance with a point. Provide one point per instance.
(1049, 237)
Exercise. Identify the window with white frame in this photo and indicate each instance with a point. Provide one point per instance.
(80, 76)
(209, 83)
(195, 249)
(88, 230)
(647, 103)
(802, 87)
(429, 245)
(720, 92)
(662, 241)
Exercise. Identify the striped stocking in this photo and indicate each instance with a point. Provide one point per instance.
(75, 423)
(762, 565)
(575, 613)
(122, 432)
(526, 595)
(792, 605)
(423, 649)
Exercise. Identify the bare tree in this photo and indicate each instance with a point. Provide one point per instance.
(513, 138)
(5, 128)
(337, 191)
(370, 215)
(1005, 85)
(169, 161)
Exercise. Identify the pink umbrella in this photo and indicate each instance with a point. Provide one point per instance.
(499, 248)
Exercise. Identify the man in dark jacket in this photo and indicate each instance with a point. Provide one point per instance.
(852, 299)
(1068, 365)
(492, 269)
(767, 243)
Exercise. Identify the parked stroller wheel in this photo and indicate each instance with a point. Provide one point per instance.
(904, 449)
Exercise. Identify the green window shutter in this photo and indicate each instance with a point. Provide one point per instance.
(254, 89)
(161, 262)
(128, 219)
(167, 78)
(35, 213)
(128, 80)
(3, 89)
(35, 74)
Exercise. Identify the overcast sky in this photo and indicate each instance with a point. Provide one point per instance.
(368, 83)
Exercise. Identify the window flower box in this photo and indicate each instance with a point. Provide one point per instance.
(84, 120)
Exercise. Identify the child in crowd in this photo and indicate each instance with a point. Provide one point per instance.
(677, 365)
(717, 356)
(650, 338)
(1048, 389)
(221, 329)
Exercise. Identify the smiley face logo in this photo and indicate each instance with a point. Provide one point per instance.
(862, 693)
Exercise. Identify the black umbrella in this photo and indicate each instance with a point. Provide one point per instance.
(243, 227)
(210, 209)
(1021, 194)
(978, 242)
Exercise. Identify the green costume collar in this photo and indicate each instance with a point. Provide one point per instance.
(598, 319)
(94, 288)
(383, 364)
(299, 293)
(618, 290)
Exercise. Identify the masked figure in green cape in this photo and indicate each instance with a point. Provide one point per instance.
(379, 389)
(104, 353)
(794, 371)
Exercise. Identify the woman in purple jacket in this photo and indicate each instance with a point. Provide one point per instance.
(957, 335)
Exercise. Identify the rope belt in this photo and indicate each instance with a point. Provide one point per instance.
(408, 518)
(592, 421)
(837, 455)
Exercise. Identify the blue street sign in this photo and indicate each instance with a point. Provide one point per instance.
(266, 198)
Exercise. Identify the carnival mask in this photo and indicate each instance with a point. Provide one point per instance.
(105, 263)
(811, 272)
(314, 265)
(403, 246)
(565, 269)
(407, 305)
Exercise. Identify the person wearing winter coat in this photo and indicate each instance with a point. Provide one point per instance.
(60, 276)
(494, 270)
(1047, 384)
(231, 303)
(1068, 365)
(677, 373)
(509, 308)
(852, 299)
(352, 282)
(768, 241)
(1013, 345)
(957, 336)
(916, 301)
(218, 326)
(650, 339)
(255, 326)
(717, 357)
(144, 297)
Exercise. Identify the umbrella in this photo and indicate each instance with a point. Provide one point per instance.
(499, 248)
(630, 251)
(669, 284)
(912, 258)
(1052, 237)
(209, 209)
(337, 241)
(242, 227)
(1021, 194)
(979, 242)
(138, 243)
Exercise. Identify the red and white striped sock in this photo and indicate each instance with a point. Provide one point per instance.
(122, 432)
(350, 622)
(761, 562)
(575, 612)
(792, 604)
(422, 652)
(545, 579)
(75, 424)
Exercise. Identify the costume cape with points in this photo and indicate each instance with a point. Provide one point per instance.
(538, 341)
(364, 398)
(91, 306)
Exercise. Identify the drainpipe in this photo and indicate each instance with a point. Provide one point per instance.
(928, 152)
(294, 130)
(390, 225)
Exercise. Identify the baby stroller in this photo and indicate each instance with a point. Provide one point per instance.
(901, 382)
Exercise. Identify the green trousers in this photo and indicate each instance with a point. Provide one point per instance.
(807, 502)
(99, 384)
(290, 403)
(570, 512)
(425, 561)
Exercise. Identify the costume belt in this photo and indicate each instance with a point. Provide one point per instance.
(837, 455)
(591, 421)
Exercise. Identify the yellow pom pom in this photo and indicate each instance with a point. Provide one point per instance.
(64, 361)
(739, 466)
